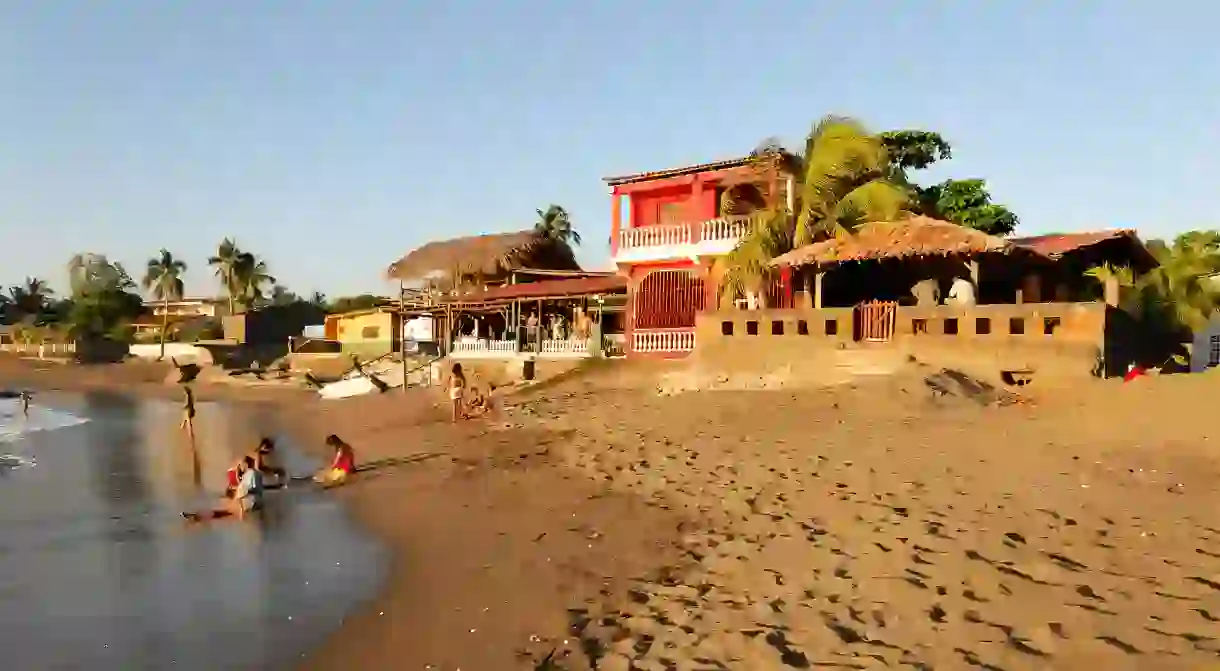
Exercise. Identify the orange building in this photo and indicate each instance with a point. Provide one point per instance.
(668, 227)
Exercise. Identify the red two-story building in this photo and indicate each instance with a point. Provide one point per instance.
(667, 230)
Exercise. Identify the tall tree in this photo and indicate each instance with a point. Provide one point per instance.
(163, 279)
(250, 275)
(965, 202)
(318, 300)
(843, 182)
(1180, 294)
(103, 298)
(556, 224)
(30, 298)
(224, 262)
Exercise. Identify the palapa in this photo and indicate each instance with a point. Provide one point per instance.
(490, 256)
(917, 236)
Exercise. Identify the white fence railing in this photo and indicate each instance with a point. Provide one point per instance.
(724, 228)
(655, 236)
(663, 340)
(481, 345)
(40, 350)
(572, 346)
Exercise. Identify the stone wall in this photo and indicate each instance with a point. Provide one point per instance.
(1043, 337)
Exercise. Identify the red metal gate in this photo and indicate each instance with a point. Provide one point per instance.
(874, 321)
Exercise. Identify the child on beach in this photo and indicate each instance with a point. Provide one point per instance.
(188, 411)
(457, 388)
(264, 459)
(248, 496)
(343, 465)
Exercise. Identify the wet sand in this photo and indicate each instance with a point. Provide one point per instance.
(869, 526)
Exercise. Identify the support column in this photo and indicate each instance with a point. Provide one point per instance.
(616, 220)
(817, 290)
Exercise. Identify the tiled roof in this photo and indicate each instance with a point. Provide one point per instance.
(676, 172)
(1054, 245)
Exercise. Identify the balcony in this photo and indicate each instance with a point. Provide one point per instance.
(715, 237)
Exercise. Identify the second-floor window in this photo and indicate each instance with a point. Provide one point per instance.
(669, 213)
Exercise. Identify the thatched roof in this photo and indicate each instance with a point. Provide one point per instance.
(489, 255)
(917, 236)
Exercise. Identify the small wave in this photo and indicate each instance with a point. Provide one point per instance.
(14, 424)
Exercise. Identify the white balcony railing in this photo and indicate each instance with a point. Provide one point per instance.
(724, 228)
(707, 238)
(663, 340)
(655, 236)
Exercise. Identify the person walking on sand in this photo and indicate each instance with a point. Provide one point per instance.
(457, 388)
(343, 464)
(25, 402)
(188, 411)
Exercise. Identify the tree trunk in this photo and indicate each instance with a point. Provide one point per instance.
(164, 325)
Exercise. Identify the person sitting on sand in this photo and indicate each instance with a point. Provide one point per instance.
(343, 464)
(248, 496)
(457, 389)
(265, 461)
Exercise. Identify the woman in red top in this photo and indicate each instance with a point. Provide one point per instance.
(343, 464)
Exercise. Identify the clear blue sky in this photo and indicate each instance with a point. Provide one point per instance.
(333, 136)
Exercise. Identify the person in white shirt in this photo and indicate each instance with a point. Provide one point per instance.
(962, 292)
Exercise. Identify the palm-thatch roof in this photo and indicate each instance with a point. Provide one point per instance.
(489, 256)
(917, 236)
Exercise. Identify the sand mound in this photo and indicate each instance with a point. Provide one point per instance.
(950, 383)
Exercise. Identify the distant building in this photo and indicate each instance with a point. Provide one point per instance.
(189, 307)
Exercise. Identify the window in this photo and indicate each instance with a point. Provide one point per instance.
(832, 327)
(669, 213)
(802, 327)
(951, 326)
(1016, 326)
(370, 332)
(726, 328)
(919, 326)
(1049, 325)
(751, 328)
(1213, 353)
(982, 326)
(777, 327)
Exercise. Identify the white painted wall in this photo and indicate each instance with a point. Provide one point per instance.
(180, 351)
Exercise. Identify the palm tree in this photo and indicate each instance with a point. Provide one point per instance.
(30, 298)
(1179, 295)
(225, 264)
(842, 182)
(249, 276)
(555, 224)
(163, 279)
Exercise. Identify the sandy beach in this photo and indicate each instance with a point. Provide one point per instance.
(872, 525)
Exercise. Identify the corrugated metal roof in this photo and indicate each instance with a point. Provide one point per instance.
(676, 172)
(583, 286)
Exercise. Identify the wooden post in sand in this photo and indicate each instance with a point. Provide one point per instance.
(402, 330)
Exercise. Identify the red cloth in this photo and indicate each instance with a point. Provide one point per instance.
(345, 461)
(233, 478)
(1135, 372)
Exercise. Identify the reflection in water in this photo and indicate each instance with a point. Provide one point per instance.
(97, 570)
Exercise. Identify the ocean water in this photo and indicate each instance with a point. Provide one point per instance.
(99, 571)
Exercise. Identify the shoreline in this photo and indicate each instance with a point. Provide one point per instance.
(481, 572)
